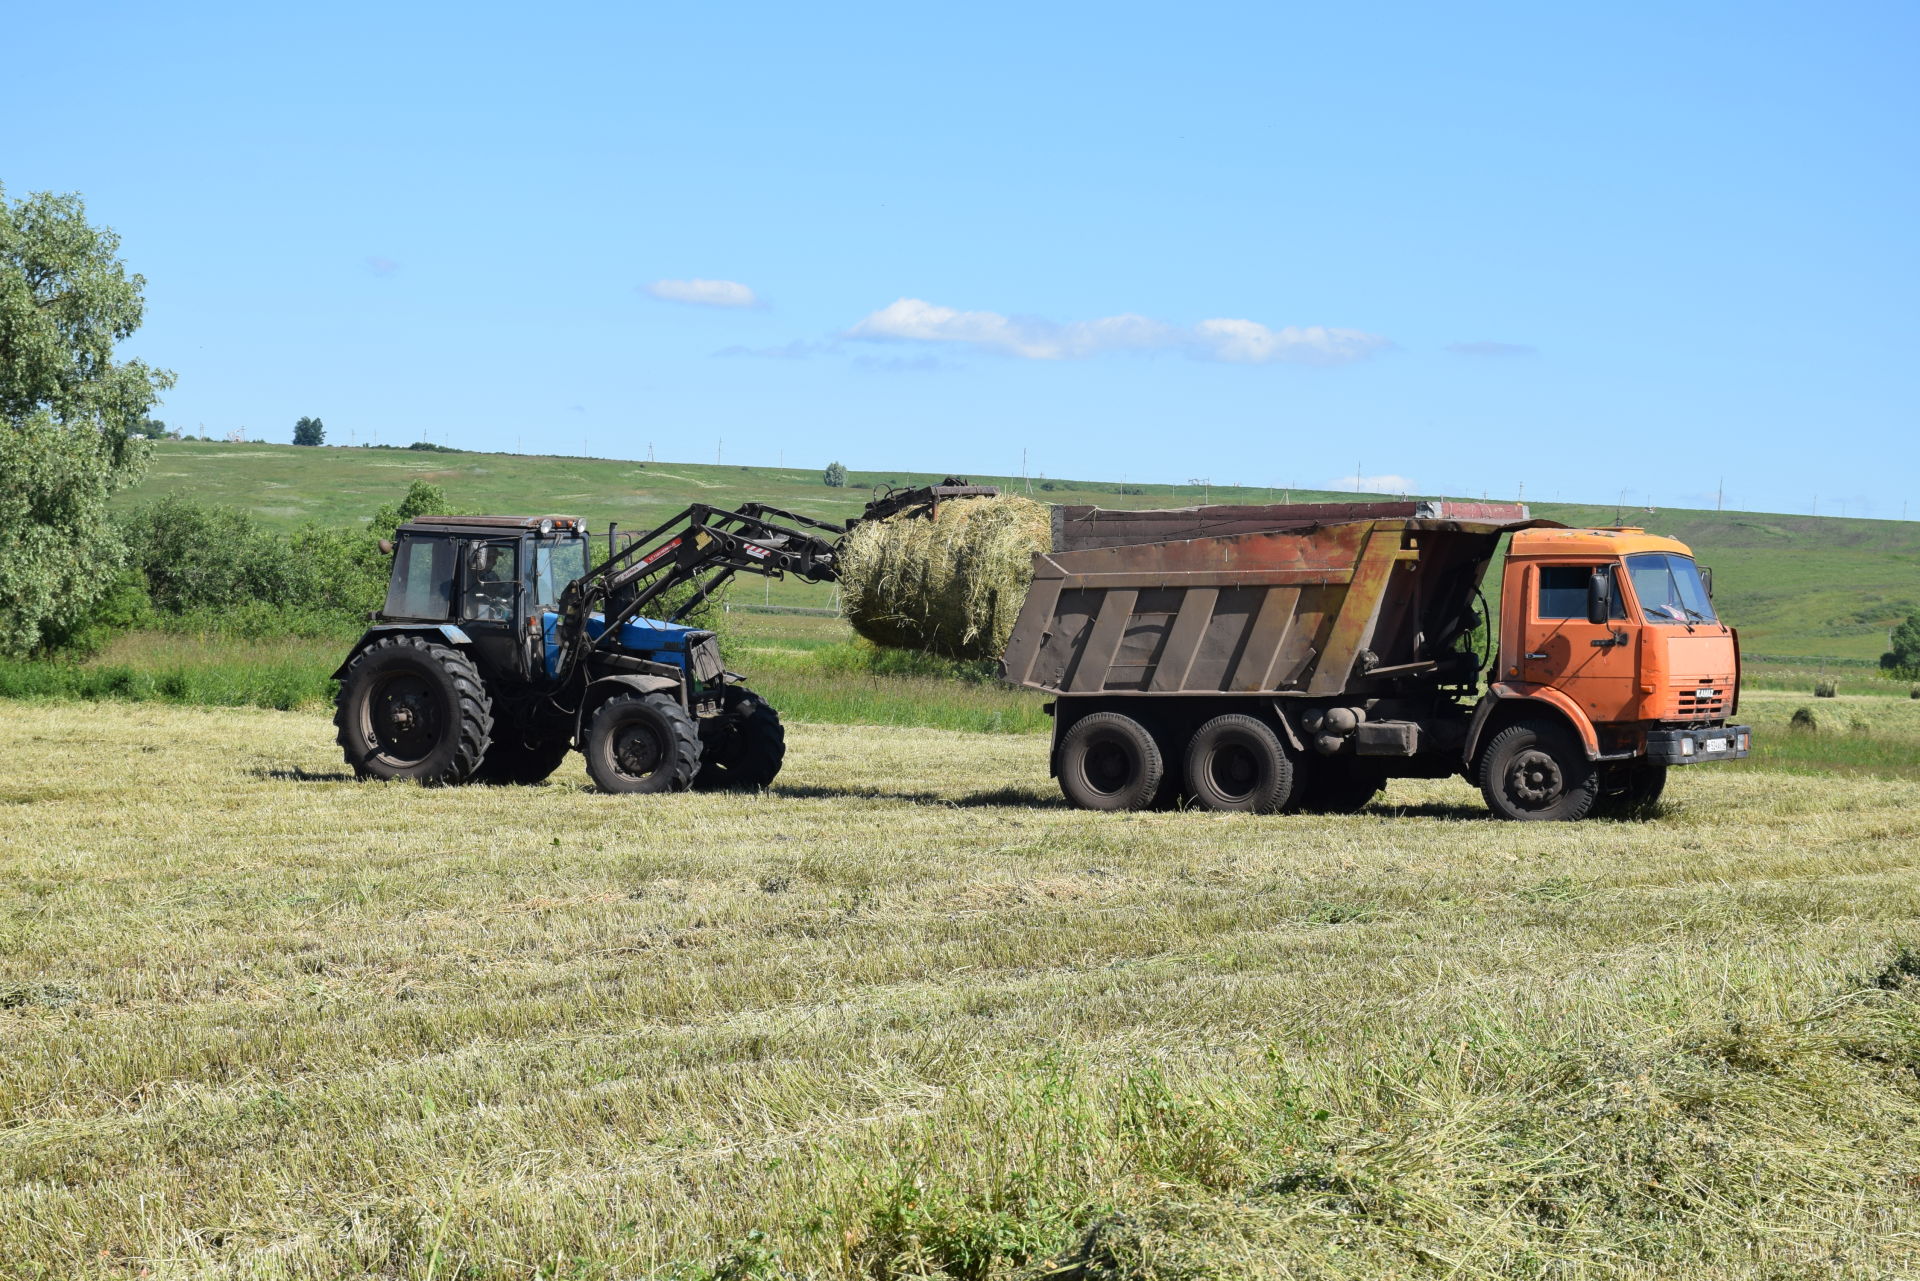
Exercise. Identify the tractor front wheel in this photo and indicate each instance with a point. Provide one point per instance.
(413, 709)
(642, 743)
(744, 746)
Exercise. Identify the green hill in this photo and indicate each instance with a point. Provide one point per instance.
(1800, 588)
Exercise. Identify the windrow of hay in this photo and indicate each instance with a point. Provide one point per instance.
(952, 584)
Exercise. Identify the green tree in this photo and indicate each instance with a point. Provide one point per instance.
(309, 431)
(1904, 656)
(423, 499)
(68, 413)
(835, 476)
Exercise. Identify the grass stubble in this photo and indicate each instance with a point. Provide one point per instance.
(906, 1015)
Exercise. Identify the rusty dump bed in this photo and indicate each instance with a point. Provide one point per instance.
(1305, 599)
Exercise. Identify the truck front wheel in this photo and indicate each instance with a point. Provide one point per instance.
(1635, 793)
(642, 743)
(1110, 762)
(1236, 763)
(1537, 771)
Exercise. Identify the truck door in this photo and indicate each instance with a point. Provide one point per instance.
(1593, 665)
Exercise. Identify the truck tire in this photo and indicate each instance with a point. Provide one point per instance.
(1536, 771)
(642, 743)
(744, 746)
(514, 761)
(413, 709)
(1110, 762)
(1637, 794)
(1236, 763)
(1336, 785)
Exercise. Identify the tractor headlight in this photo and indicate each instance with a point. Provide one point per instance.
(546, 526)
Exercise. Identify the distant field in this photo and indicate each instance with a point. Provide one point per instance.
(908, 1016)
(1799, 588)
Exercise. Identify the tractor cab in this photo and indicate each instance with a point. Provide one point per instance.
(495, 580)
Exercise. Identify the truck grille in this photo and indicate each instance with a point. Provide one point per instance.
(1707, 702)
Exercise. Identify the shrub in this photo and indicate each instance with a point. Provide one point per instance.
(835, 476)
(199, 556)
(1804, 720)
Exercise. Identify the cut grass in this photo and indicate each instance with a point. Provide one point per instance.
(907, 1015)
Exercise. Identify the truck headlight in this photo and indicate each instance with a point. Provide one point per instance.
(1686, 747)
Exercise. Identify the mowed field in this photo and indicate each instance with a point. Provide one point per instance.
(905, 1015)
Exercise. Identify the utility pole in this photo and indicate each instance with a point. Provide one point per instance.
(1023, 469)
(716, 451)
(1720, 495)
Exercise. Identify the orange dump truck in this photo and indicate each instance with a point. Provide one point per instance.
(1298, 657)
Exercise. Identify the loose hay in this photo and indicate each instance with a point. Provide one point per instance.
(952, 584)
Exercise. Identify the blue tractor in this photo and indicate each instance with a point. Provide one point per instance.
(502, 646)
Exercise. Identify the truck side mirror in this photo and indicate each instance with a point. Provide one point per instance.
(1706, 580)
(1599, 597)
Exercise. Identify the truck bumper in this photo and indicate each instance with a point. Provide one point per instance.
(1697, 746)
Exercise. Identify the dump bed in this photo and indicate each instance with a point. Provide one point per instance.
(1302, 599)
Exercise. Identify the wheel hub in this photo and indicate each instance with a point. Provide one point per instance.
(637, 752)
(1535, 778)
(1234, 770)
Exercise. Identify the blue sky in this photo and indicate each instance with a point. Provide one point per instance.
(1585, 249)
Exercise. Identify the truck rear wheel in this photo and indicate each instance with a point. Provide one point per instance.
(1236, 763)
(1110, 762)
(744, 746)
(1537, 771)
(642, 743)
(412, 709)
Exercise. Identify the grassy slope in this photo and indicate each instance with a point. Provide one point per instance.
(1796, 586)
(910, 1012)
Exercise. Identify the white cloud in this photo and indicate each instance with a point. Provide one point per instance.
(1234, 341)
(1247, 342)
(1387, 484)
(704, 293)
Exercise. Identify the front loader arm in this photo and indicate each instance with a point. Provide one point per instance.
(706, 546)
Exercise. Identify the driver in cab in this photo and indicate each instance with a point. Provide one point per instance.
(491, 584)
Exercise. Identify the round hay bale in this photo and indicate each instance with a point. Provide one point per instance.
(951, 584)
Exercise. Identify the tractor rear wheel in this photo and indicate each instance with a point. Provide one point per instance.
(744, 746)
(1109, 761)
(1537, 771)
(413, 709)
(1238, 763)
(642, 743)
(514, 760)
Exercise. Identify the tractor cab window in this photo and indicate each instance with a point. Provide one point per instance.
(1563, 591)
(556, 563)
(493, 575)
(422, 583)
(1669, 589)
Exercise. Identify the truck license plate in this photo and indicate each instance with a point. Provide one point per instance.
(1716, 745)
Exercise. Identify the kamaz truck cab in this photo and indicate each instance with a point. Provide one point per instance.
(1615, 631)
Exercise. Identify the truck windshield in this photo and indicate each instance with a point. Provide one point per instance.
(556, 564)
(1669, 588)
